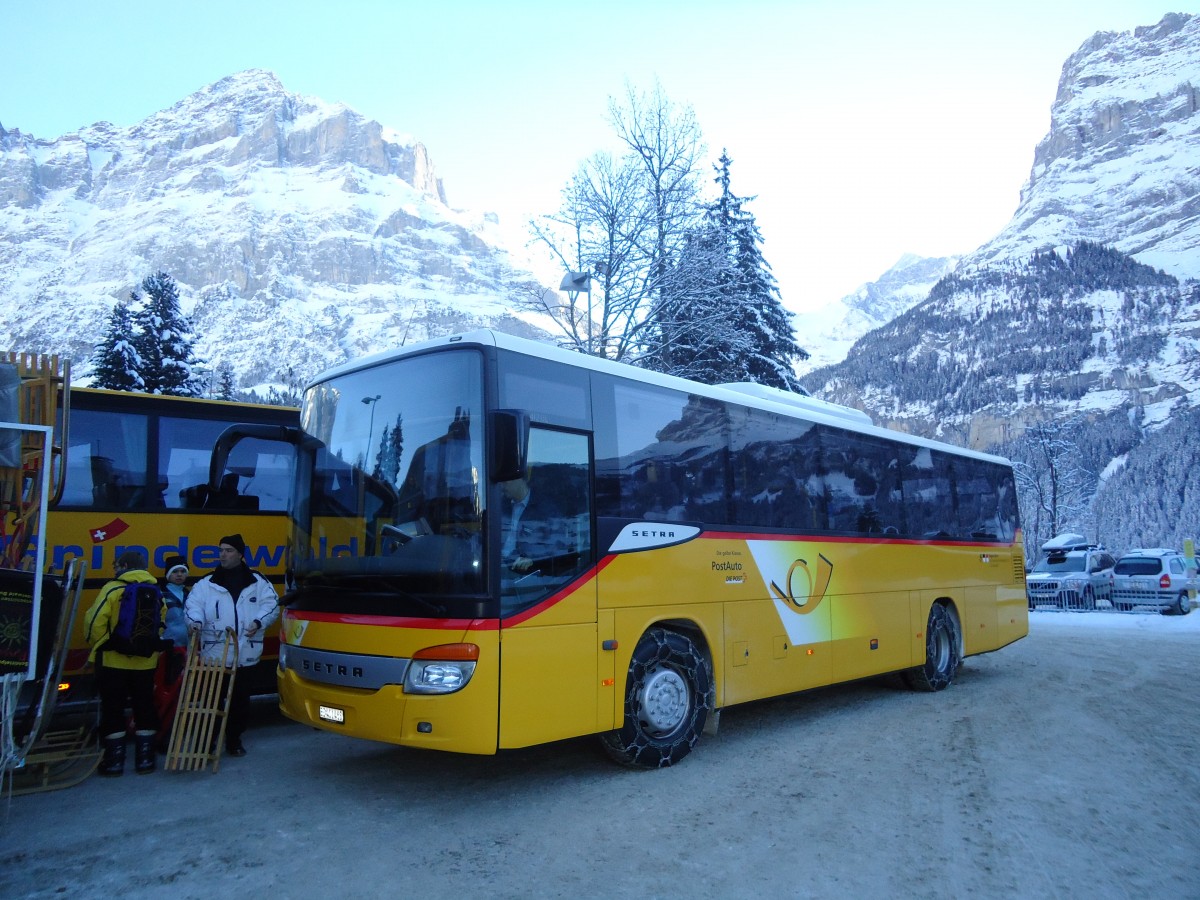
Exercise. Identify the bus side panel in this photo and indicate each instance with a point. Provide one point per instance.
(870, 634)
(610, 705)
(763, 657)
(700, 575)
(1013, 615)
(454, 722)
(979, 617)
(548, 685)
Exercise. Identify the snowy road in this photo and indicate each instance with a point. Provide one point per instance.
(1063, 766)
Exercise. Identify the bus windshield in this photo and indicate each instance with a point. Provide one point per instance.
(395, 505)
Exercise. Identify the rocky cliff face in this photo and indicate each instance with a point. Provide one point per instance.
(1120, 165)
(301, 234)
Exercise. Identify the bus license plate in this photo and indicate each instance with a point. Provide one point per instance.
(331, 714)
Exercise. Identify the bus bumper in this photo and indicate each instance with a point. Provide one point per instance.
(462, 722)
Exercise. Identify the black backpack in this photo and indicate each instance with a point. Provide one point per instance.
(139, 621)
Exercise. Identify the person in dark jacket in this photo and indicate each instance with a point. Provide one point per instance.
(238, 599)
(120, 677)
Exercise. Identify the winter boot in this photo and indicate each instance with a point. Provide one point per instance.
(113, 763)
(143, 744)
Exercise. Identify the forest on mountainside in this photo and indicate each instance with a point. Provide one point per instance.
(1065, 349)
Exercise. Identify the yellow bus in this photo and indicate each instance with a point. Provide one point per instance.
(136, 477)
(682, 548)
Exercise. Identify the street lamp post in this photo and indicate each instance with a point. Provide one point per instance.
(370, 401)
(575, 283)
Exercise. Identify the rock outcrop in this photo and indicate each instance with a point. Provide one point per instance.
(301, 234)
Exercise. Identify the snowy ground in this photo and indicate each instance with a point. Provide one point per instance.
(1062, 766)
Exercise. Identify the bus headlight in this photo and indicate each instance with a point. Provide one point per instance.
(443, 669)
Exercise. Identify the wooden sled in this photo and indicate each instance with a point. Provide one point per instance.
(60, 759)
(198, 734)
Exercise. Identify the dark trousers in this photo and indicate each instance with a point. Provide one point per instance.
(115, 687)
(239, 704)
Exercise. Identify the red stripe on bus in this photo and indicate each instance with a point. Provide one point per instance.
(559, 595)
(395, 621)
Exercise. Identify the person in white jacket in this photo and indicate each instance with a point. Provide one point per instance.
(238, 599)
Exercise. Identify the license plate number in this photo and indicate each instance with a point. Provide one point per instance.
(331, 714)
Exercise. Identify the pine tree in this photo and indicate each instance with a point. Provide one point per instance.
(117, 365)
(728, 286)
(759, 314)
(226, 390)
(165, 340)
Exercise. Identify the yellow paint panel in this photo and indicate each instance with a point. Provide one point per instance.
(870, 634)
(548, 684)
(760, 666)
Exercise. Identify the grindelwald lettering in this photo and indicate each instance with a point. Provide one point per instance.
(201, 556)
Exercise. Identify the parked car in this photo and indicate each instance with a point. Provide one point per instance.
(1153, 576)
(1071, 573)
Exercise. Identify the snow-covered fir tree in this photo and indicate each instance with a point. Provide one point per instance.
(762, 316)
(225, 387)
(735, 327)
(165, 341)
(391, 451)
(116, 364)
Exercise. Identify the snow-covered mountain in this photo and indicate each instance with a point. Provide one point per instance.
(829, 333)
(300, 233)
(1121, 162)
(1119, 166)
(1083, 315)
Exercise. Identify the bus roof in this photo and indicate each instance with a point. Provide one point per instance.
(746, 394)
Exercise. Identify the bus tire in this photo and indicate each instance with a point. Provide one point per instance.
(667, 698)
(943, 655)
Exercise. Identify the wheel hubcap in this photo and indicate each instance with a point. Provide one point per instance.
(941, 650)
(664, 700)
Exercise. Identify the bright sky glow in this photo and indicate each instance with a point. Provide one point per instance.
(866, 128)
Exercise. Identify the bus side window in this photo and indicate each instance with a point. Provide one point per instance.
(106, 462)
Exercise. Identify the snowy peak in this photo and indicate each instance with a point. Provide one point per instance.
(250, 117)
(1118, 166)
(829, 333)
(300, 233)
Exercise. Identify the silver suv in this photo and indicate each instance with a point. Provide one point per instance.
(1071, 573)
(1155, 577)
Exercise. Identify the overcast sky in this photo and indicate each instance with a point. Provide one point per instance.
(866, 129)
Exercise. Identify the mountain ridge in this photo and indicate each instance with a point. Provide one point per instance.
(1117, 166)
(288, 223)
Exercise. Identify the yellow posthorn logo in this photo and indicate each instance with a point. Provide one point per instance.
(817, 585)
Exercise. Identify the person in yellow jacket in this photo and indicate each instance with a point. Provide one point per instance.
(121, 677)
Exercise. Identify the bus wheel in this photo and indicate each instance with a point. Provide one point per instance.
(942, 655)
(669, 692)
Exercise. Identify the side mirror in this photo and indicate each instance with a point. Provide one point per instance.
(510, 444)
